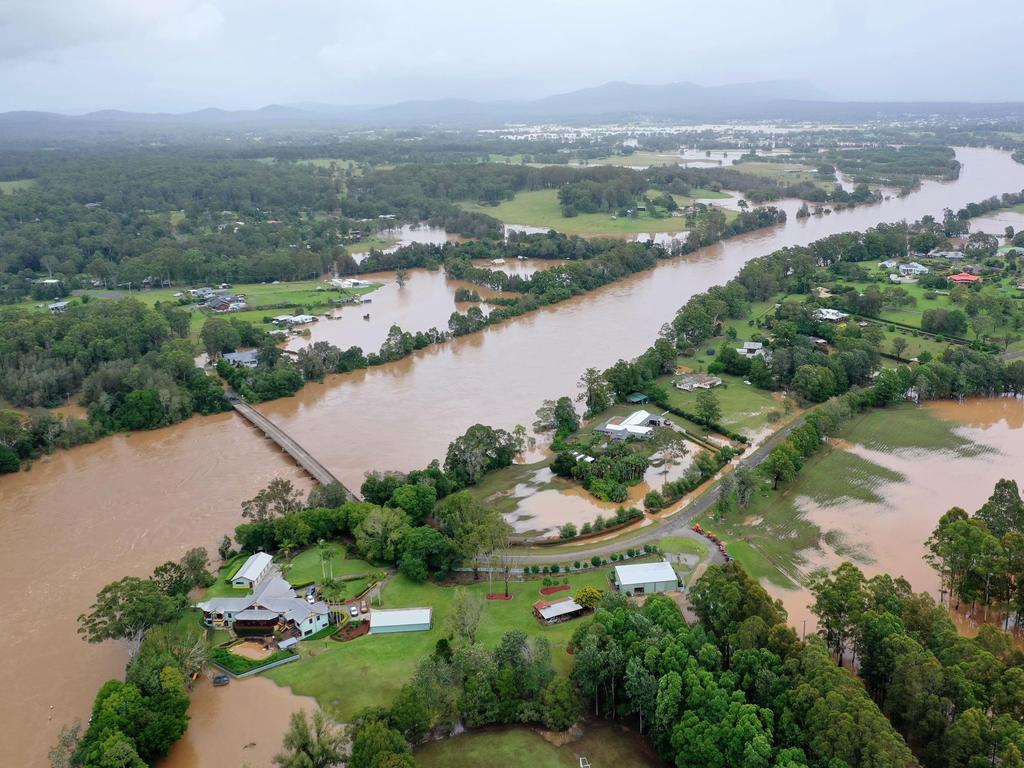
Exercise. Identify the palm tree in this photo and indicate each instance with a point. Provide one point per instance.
(321, 745)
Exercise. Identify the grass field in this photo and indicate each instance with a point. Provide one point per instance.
(541, 209)
(604, 744)
(306, 567)
(345, 677)
(682, 546)
(745, 408)
(767, 538)
(16, 184)
(784, 172)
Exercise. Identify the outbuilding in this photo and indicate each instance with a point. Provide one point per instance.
(646, 578)
(252, 571)
(383, 621)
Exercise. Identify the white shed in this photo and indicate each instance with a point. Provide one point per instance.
(253, 570)
(400, 620)
(646, 578)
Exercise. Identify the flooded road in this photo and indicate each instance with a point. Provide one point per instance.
(87, 516)
(892, 533)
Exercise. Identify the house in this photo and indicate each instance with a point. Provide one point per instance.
(828, 315)
(282, 320)
(338, 282)
(951, 255)
(888, 263)
(963, 278)
(59, 306)
(252, 570)
(400, 620)
(246, 359)
(201, 293)
(697, 381)
(751, 349)
(913, 269)
(646, 578)
(637, 398)
(555, 611)
(271, 608)
(639, 424)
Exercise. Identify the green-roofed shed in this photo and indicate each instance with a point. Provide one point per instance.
(637, 398)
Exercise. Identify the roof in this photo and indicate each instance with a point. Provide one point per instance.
(963, 277)
(398, 617)
(254, 567)
(256, 614)
(549, 610)
(272, 597)
(645, 573)
(249, 356)
(637, 397)
(753, 345)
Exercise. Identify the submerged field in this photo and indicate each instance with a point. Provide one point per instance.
(541, 209)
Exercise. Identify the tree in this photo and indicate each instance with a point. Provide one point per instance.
(641, 688)
(560, 706)
(1004, 510)
(589, 597)
(480, 450)
(219, 335)
(558, 416)
(814, 382)
(127, 609)
(401, 276)
(9, 461)
(373, 745)
(672, 453)
(839, 602)
(379, 536)
(464, 616)
(417, 501)
(781, 464)
(425, 550)
(410, 713)
(311, 742)
(707, 408)
(595, 392)
(899, 346)
(277, 499)
(62, 753)
(473, 528)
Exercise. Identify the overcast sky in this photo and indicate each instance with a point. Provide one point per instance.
(175, 55)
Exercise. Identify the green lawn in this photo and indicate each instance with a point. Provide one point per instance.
(345, 677)
(784, 172)
(768, 537)
(541, 209)
(745, 408)
(16, 184)
(604, 744)
(683, 546)
(306, 566)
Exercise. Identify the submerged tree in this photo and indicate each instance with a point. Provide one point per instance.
(311, 742)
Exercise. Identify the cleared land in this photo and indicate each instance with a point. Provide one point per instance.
(745, 408)
(520, 747)
(541, 209)
(369, 671)
(15, 184)
(768, 537)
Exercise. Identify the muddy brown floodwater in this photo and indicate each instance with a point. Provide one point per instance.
(893, 532)
(86, 516)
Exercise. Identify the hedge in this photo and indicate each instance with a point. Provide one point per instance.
(239, 665)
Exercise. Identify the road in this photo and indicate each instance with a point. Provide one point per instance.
(676, 525)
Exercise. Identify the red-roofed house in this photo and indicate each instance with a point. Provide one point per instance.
(963, 277)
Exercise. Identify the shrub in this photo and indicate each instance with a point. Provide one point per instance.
(554, 568)
(544, 569)
(576, 564)
(595, 560)
(567, 531)
(631, 552)
(587, 528)
(239, 665)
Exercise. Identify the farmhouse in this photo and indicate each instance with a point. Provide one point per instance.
(247, 359)
(646, 578)
(962, 278)
(913, 269)
(888, 263)
(751, 349)
(252, 570)
(827, 315)
(555, 611)
(271, 608)
(639, 424)
(697, 381)
(400, 620)
(951, 255)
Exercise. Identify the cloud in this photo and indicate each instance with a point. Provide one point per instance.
(195, 25)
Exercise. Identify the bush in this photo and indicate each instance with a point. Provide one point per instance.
(9, 461)
(631, 552)
(554, 568)
(239, 665)
(567, 531)
(654, 501)
(576, 564)
(595, 560)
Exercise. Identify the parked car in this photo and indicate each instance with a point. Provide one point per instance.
(363, 607)
(353, 611)
(219, 680)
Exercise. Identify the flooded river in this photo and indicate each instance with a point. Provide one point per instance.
(87, 516)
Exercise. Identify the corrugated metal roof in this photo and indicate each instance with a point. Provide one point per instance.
(399, 617)
(561, 608)
(254, 567)
(645, 573)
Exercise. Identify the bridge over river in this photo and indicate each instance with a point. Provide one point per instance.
(288, 444)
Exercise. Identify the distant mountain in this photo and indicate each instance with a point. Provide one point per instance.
(768, 100)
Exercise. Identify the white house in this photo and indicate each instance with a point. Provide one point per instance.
(697, 381)
(888, 263)
(913, 269)
(751, 349)
(639, 424)
(827, 315)
(383, 621)
(951, 255)
(646, 578)
(272, 607)
(253, 570)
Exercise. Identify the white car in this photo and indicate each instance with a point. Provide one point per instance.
(353, 611)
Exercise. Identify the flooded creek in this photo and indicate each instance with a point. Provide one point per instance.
(87, 516)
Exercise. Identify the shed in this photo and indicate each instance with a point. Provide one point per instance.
(637, 398)
(253, 570)
(400, 620)
(551, 612)
(646, 578)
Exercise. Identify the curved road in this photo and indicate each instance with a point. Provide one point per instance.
(676, 525)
